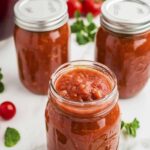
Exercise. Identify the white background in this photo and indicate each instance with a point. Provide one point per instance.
(29, 119)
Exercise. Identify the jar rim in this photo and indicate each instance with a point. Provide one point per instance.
(90, 65)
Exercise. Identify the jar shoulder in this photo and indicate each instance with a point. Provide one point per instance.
(103, 33)
(108, 40)
(61, 33)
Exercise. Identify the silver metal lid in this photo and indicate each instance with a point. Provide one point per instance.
(126, 16)
(40, 15)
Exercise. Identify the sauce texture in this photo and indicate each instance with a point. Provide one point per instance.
(83, 85)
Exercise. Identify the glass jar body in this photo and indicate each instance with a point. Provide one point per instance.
(39, 54)
(129, 58)
(82, 124)
(66, 132)
(6, 18)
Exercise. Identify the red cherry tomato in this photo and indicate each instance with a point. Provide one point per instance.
(92, 6)
(7, 110)
(73, 6)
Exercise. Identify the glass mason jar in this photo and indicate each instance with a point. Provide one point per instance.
(6, 18)
(42, 41)
(78, 125)
(123, 43)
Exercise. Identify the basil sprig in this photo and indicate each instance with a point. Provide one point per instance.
(130, 129)
(85, 33)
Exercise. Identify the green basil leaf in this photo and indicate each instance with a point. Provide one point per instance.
(122, 124)
(89, 18)
(136, 123)
(77, 26)
(91, 36)
(1, 76)
(2, 88)
(12, 137)
(77, 15)
(91, 27)
(81, 39)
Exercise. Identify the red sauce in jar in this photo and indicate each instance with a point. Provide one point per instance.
(39, 54)
(83, 85)
(128, 56)
(83, 126)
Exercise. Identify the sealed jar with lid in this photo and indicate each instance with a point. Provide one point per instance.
(82, 112)
(42, 41)
(123, 43)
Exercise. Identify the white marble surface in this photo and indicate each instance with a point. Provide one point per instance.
(29, 119)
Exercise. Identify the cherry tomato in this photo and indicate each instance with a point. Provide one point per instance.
(7, 110)
(73, 6)
(92, 6)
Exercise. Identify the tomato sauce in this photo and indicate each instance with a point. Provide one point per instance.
(83, 126)
(128, 56)
(83, 85)
(39, 54)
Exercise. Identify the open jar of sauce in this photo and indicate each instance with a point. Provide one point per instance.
(42, 41)
(123, 43)
(6, 18)
(82, 112)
